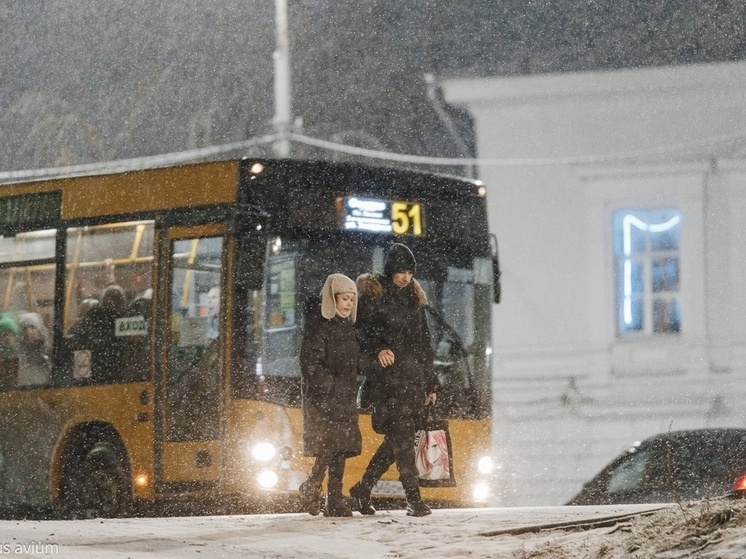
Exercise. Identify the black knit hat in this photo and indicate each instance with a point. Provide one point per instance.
(399, 259)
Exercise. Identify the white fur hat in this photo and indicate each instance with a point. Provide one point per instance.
(337, 283)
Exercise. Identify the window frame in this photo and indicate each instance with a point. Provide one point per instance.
(648, 260)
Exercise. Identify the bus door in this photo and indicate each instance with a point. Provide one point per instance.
(193, 360)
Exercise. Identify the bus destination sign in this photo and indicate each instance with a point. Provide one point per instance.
(30, 210)
(378, 215)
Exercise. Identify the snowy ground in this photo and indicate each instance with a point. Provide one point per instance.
(715, 530)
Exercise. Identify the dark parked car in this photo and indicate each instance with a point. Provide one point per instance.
(679, 465)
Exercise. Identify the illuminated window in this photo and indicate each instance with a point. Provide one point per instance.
(27, 281)
(647, 253)
(108, 303)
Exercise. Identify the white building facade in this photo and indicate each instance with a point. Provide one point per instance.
(619, 203)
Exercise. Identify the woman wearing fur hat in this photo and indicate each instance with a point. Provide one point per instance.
(394, 330)
(329, 366)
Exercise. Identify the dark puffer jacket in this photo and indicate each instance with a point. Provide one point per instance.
(393, 318)
(329, 366)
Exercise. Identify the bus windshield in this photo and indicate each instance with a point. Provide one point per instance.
(458, 286)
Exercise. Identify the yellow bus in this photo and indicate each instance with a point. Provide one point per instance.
(151, 321)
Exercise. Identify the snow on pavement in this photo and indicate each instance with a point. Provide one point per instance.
(713, 530)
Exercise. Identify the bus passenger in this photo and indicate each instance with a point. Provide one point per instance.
(329, 360)
(35, 366)
(212, 307)
(141, 305)
(19, 299)
(9, 350)
(86, 305)
(394, 329)
(95, 332)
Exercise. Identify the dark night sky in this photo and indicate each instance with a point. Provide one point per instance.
(88, 80)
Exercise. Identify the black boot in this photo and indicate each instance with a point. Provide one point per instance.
(336, 505)
(417, 507)
(310, 498)
(361, 500)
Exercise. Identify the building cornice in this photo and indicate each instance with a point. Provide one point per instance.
(712, 77)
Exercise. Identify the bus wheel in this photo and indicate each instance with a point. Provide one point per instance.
(98, 485)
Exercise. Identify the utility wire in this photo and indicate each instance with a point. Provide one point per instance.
(670, 150)
(137, 163)
(702, 148)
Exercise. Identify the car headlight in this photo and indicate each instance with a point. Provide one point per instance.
(263, 452)
(485, 465)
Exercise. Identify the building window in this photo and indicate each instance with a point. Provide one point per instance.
(647, 254)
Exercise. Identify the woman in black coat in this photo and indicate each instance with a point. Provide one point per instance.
(394, 330)
(329, 367)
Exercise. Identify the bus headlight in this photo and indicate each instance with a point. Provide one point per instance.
(485, 465)
(480, 492)
(263, 452)
(267, 479)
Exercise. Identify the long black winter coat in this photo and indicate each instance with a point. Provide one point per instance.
(393, 318)
(329, 366)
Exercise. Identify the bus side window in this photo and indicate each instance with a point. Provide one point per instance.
(108, 303)
(27, 310)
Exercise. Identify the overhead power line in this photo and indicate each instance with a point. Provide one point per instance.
(681, 149)
(136, 163)
(702, 149)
